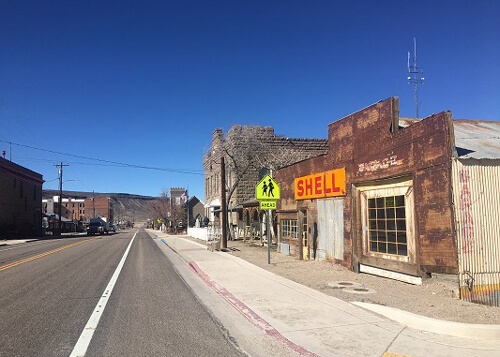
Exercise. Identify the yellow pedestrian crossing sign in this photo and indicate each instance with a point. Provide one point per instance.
(267, 189)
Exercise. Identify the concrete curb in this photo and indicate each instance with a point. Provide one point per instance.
(451, 328)
(409, 319)
(238, 305)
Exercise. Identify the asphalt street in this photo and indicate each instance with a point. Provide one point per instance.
(49, 289)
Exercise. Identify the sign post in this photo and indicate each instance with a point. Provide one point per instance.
(267, 191)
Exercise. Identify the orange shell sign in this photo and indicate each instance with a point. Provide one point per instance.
(324, 184)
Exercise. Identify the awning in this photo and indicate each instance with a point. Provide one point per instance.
(214, 203)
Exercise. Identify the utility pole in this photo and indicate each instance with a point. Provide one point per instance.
(223, 203)
(93, 202)
(60, 196)
(187, 209)
(415, 72)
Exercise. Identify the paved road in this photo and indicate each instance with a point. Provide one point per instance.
(49, 289)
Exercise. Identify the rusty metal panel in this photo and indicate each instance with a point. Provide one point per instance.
(331, 229)
(476, 196)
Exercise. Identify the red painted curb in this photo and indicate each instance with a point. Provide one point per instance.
(249, 313)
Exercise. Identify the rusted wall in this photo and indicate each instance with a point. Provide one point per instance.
(371, 146)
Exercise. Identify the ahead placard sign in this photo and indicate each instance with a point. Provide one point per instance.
(267, 205)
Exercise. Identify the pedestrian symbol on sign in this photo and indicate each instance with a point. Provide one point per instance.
(271, 187)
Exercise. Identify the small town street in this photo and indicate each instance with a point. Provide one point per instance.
(164, 295)
(49, 289)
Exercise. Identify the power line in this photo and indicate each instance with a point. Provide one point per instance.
(108, 162)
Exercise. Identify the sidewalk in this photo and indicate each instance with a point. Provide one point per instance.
(20, 241)
(315, 324)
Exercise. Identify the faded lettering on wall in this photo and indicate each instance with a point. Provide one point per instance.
(466, 208)
(380, 164)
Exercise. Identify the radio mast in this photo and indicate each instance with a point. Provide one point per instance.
(415, 73)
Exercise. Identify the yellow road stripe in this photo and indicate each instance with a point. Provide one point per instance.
(26, 260)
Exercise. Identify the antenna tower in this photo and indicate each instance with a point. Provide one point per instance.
(415, 74)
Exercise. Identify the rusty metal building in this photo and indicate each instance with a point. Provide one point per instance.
(389, 199)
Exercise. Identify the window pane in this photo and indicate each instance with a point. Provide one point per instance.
(381, 213)
(400, 201)
(381, 224)
(391, 249)
(380, 202)
(372, 213)
(371, 203)
(401, 237)
(373, 235)
(402, 249)
(373, 224)
(382, 236)
(382, 247)
(390, 201)
(391, 237)
(401, 225)
(390, 213)
(391, 225)
(400, 212)
(373, 246)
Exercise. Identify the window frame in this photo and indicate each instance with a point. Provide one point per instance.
(404, 188)
(290, 229)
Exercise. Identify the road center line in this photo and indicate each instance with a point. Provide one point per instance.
(41, 255)
(88, 331)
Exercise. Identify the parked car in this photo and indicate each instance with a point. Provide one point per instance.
(112, 228)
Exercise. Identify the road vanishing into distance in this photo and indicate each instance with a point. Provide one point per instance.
(49, 290)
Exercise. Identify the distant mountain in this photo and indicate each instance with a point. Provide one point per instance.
(126, 206)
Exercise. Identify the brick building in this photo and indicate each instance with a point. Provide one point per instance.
(20, 201)
(233, 144)
(395, 197)
(73, 208)
(175, 195)
(99, 206)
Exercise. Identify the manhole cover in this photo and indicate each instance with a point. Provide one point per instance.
(344, 284)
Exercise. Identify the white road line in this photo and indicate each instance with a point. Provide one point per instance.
(88, 331)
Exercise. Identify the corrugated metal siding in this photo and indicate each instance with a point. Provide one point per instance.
(476, 196)
(331, 229)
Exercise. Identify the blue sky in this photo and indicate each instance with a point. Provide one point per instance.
(146, 82)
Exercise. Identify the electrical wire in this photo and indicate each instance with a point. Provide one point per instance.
(105, 162)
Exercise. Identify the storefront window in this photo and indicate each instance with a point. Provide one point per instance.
(289, 228)
(387, 225)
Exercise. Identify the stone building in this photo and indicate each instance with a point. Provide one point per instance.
(196, 211)
(20, 201)
(249, 151)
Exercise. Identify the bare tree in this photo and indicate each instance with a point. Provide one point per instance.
(167, 211)
(250, 153)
